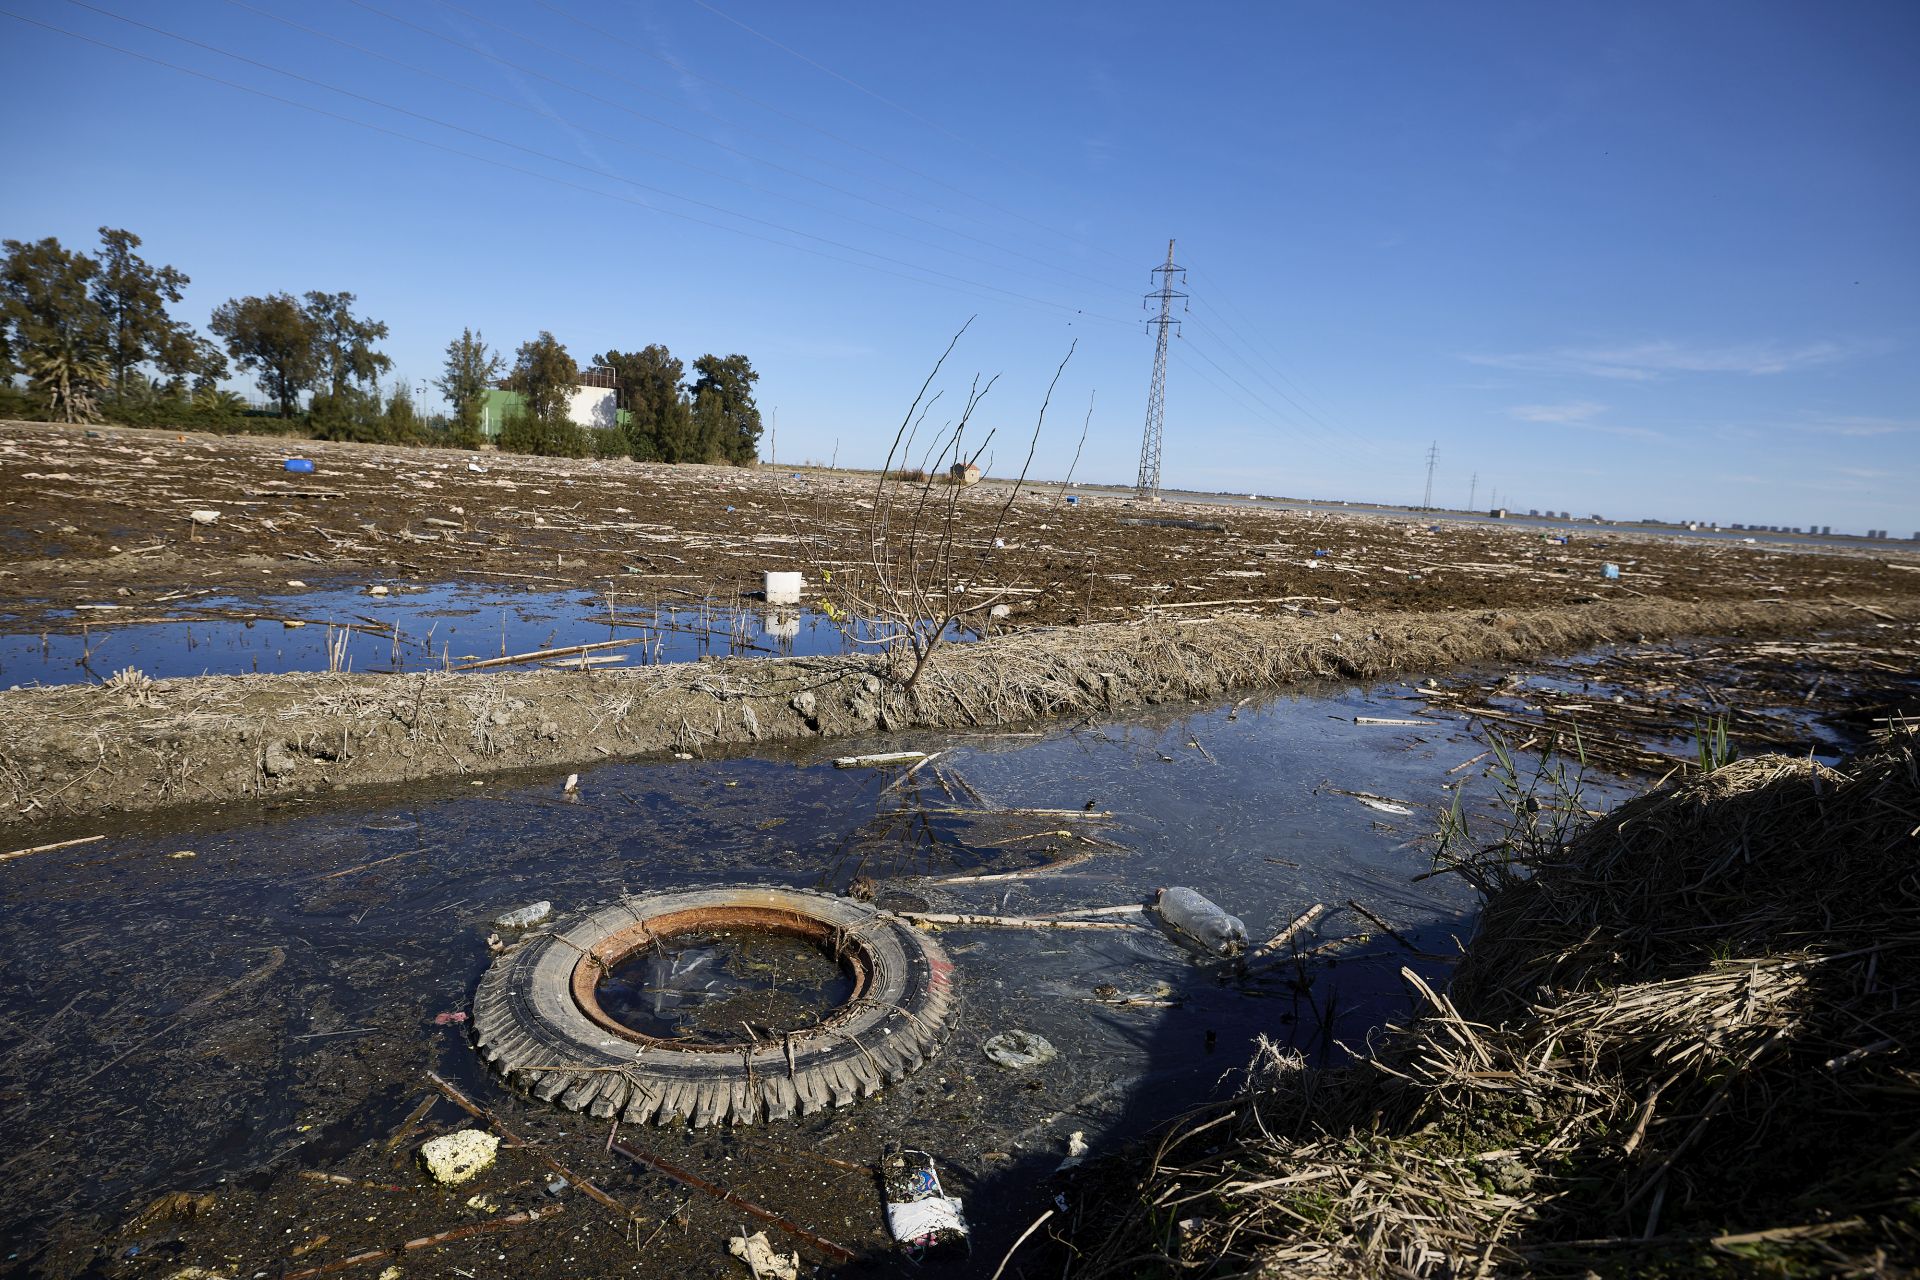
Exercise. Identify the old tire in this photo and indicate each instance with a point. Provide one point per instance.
(536, 1021)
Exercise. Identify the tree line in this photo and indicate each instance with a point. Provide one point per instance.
(93, 338)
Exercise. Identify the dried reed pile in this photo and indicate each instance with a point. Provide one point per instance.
(1680, 1045)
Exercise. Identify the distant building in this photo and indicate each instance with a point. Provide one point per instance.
(964, 473)
(593, 403)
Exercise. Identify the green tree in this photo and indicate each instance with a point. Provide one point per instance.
(274, 339)
(660, 417)
(343, 343)
(189, 360)
(55, 327)
(726, 420)
(402, 423)
(545, 376)
(471, 368)
(132, 295)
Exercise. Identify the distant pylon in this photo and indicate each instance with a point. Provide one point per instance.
(1472, 488)
(1148, 487)
(1433, 455)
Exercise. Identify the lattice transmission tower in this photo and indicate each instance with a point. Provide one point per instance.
(1148, 487)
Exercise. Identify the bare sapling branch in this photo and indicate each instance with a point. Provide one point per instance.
(905, 595)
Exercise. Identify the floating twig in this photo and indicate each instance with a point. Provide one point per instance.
(694, 1181)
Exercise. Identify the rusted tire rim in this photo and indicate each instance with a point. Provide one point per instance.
(537, 1021)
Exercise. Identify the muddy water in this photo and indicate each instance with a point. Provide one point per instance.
(232, 1000)
(412, 628)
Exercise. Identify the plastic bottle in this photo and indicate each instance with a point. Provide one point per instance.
(1210, 928)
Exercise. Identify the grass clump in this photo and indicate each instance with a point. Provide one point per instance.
(1680, 1045)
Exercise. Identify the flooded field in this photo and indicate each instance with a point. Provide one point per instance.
(249, 1005)
(441, 627)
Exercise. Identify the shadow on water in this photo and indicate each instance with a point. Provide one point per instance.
(232, 1000)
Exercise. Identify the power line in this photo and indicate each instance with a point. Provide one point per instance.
(705, 139)
(620, 140)
(560, 160)
(1148, 487)
(958, 284)
(931, 124)
(1221, 299)
(1329, 441)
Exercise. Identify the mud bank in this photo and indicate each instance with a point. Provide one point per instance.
(136, 745)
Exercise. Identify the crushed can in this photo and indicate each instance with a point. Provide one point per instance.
(925, 1221)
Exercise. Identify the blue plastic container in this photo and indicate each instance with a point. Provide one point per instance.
(301, 466)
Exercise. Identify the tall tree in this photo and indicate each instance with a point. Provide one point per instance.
(132, 295)
(343, 343)
(189, 360)
(471, 368)
(660, 418)
(726, 418)
(546, 375)
(55, 327)
(274, 339)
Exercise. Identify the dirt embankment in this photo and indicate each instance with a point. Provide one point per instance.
(90, 515)
(134, 745)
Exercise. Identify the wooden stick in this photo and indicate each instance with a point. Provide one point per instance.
(49, 848)
(880, 758)
(1071, 860)
(1017, 1243)
(335, 875)
(1421, 724)
(524, 1218)
(695, 1181)
(540, 654)
(1123, 909)
(1382, 925)
(1009, 922)
(474, 1109)
(1091, 815)
(1286, 935)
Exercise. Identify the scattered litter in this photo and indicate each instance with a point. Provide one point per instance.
(450, 1018)
(483, 1202)
(1200, 921)
(1611, 572)
(204, 517)
(573, 783)
(182, 853)
(1076, 1149)
(294, 584)
(1417, 724)
(1018, 1050)
(376, 590)
(524, 917)
(456, 1157)
(299, 466)
(1385, 806)
(557, 1187)
(924, 1220)
(758, 1254)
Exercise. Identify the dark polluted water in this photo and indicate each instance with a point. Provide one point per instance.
(249, 1002)
(717, 986)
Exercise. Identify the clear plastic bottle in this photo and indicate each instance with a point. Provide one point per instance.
(1193, 916)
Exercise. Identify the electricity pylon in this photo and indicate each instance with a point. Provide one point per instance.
(1148, 487)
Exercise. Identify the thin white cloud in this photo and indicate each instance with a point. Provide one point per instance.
(1865, 427)
(1578, 411)
(1651, 361)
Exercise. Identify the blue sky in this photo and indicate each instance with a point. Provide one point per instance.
(1654, 259)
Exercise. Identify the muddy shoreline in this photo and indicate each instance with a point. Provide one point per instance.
(82, 751)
